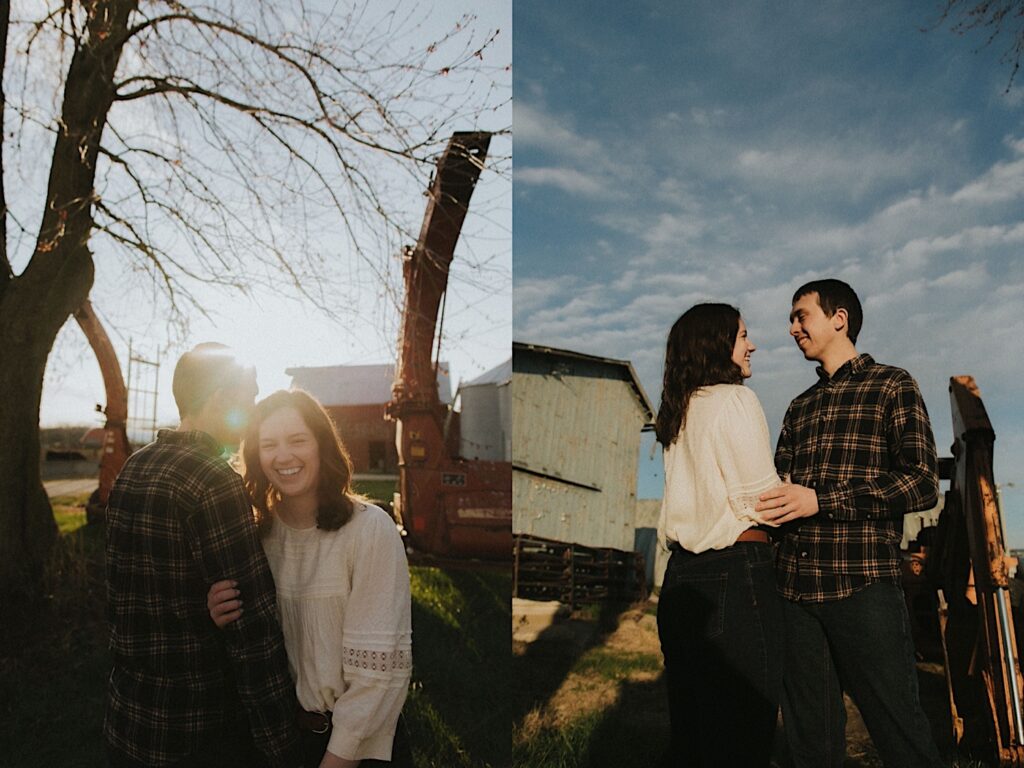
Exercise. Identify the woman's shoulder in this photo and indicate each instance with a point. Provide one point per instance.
(371, 521)
(724, 395)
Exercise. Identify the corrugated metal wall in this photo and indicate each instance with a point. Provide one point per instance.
(583, 430)
(647, 513)
(485, 428)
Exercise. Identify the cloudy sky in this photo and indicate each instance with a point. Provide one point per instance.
(270, 328)
(671, 153)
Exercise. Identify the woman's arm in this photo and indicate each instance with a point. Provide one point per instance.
(333, 761)
(224, 602)
(376, 642)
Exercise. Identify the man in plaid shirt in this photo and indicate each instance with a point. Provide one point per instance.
(182, 692)
(859, 452)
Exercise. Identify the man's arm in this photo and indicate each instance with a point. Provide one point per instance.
(226, 546)
(910, 484)
(786, 502)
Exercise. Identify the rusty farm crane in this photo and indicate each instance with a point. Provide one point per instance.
(450, 507)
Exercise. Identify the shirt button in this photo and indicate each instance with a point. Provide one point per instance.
(804, 554)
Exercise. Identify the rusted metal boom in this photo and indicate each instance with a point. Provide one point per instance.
(426, 266)
(978, 639)
(450, 507)
(115, 440)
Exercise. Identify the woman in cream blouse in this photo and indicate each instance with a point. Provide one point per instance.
(718, 613)
(342, 585)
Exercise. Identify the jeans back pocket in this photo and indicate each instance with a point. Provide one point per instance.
(691, 606)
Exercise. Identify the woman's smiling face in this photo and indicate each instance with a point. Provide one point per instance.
(289, 454)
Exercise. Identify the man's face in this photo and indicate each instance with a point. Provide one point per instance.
(812, 330)
(234, 406)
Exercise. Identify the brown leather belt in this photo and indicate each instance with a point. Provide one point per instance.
(753, 534)
(315, 722)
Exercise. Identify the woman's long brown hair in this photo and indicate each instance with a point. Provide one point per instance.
(698, 354)
(335, 496)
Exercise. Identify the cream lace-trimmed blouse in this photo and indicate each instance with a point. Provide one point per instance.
(715, 470)
(346, 616)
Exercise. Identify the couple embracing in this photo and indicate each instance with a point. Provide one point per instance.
(257, 619)
(787, 591)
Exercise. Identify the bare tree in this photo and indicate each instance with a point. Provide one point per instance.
(994, 18)
(204, 144)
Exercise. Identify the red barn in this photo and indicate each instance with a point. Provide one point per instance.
(355, 396)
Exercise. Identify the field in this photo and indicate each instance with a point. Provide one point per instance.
(54, 662)
(589, 693)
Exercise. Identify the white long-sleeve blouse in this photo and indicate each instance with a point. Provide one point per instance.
(714, 471)
(346, 616)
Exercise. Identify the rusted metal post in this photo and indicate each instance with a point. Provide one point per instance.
(983, 672)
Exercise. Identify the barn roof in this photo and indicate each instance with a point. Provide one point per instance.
(357, 384)
(499, 374)
(621, 368)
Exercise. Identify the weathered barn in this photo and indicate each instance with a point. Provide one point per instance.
(646, 540)
(355, 397)
(576, 422)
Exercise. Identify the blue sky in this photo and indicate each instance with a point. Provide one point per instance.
(670, 153)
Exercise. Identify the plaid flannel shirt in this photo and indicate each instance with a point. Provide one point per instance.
(863, 441)
(179, 519)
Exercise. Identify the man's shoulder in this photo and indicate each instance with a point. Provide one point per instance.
(889, 378)
(891, 372)
(185, 465)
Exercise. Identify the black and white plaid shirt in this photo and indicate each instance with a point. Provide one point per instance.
(178, 520)
(863, 441)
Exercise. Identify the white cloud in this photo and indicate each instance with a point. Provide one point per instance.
(533, 127)
(1003, 182)
(842, 166)
(567, 179)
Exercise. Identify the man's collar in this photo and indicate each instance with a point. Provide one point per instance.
(851, 367)
(190, 437)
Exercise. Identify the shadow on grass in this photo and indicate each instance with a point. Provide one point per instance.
(635, 729)
(542, 667)
(458, 708)
(54, 663)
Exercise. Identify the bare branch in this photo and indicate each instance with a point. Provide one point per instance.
(995, 17)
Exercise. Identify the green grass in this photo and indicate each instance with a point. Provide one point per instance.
(69, 512)
(462, 651)
(614, 665)
(584, 730)
(376, 490)
(599, 703)
(54, 663)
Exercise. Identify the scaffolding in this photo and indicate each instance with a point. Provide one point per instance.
(143, 379)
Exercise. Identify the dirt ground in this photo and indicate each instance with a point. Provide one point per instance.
(569, 681)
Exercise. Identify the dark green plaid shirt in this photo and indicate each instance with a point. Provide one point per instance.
(863, 441)
(178, 520)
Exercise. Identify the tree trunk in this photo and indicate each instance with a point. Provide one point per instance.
(35, 304)
(27, 528)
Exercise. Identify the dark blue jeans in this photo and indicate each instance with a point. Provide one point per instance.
(721, 630)
(860, 644)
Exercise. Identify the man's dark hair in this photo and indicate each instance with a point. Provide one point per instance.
(834, 295)
(202, 371)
